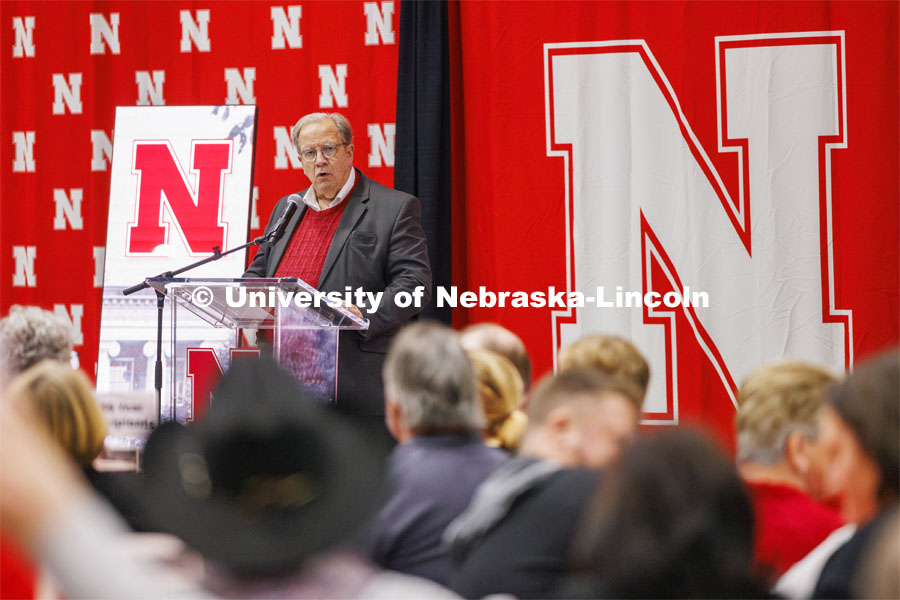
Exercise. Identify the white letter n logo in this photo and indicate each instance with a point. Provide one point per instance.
(647, 210)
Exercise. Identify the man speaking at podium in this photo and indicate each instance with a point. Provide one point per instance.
(350, 231)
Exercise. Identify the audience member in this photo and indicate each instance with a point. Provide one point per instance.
(29, 335)
(777, 428)
(582, 419)
(671, 520)
(496, 338)
(860, 430)
(47, 507)
(63, 401)
(607, 354)
(515, 536)
(500, 394)
(433, 411)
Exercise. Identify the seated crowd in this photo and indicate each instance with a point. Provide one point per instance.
(494, 487)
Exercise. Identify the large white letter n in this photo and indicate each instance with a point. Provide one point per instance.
(650, 212)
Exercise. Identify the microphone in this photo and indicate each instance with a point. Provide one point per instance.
(286, 216)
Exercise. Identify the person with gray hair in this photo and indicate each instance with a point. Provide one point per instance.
(28, 335)
(429, 383)
(347, 232)
(345, 131)
(432, 410)
(781, 460)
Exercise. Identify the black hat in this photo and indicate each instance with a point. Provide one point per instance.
(265, 479)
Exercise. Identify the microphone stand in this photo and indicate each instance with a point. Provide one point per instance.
(217, 254)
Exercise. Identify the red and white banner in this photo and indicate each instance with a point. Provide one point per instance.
(66, 66)
(747, 150)
(744, 150)
(180, 187)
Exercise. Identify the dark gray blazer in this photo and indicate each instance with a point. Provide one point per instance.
(379, 245)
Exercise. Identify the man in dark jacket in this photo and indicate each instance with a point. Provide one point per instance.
(515, 536)
(433, 411)
(350, 232)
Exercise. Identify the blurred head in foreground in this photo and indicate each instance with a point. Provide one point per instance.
(582, 418)
(671, 520)
(265, 481)
(499, 392)
(62, 400)
(429, 384)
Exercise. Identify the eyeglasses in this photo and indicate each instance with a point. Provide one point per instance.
(328, 151)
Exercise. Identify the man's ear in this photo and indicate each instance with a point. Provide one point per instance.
(796, 453)
(393, 418)
(562, 433)
(350, 148)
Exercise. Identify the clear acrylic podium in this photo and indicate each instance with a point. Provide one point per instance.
(299, 323)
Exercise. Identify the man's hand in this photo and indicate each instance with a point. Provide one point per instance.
(351, 308)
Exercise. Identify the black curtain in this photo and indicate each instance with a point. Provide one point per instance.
(422, 145)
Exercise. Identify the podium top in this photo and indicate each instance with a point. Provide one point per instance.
(258, 303)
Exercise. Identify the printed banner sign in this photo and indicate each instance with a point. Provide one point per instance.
(180, 188)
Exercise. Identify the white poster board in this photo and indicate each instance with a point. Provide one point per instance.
(181, 184)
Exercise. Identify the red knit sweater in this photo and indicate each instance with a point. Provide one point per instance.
(305, 254)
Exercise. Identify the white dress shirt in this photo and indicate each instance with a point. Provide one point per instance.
(309, 198)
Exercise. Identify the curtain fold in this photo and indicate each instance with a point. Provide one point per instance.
(422, 159)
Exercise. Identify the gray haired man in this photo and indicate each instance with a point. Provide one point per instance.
(432, 409)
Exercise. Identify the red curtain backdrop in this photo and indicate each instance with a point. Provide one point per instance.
(46, 41)
(509, 197)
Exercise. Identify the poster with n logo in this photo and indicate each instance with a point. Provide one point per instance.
(180, 187)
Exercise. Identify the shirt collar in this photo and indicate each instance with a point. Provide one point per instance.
(309, 198)
(456, 438)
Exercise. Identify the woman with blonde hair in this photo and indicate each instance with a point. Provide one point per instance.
(61, 399)
(500, 391)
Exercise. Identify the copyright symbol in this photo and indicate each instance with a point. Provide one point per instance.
(202, 296)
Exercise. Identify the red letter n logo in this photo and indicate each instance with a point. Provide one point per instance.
(203, 371)
(195, 209)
